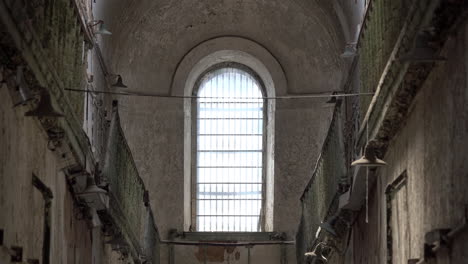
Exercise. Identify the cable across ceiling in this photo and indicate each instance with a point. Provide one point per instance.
(285, 97)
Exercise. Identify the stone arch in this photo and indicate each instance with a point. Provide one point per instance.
(265, 65)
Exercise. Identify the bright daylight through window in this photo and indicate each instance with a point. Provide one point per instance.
(229, 181)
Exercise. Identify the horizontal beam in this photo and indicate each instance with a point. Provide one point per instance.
(224, 244)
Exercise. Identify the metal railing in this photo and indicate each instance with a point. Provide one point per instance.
(48, 36)
(321, 193)
(389, 30)
(381, 28)
(129, 211)
(54, 25)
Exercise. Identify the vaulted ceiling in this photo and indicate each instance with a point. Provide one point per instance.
(150, 42)
(151, 37)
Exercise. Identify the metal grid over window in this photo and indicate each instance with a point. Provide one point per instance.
(229, 154)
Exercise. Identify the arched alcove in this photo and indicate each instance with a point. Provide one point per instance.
(243, 52)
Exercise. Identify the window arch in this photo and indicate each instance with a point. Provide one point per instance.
(229, 180)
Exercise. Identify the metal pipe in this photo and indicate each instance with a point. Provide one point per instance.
(46, 236)
(222, 244)
(454, 232)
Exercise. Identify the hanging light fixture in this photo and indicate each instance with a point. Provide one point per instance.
(422, 50)
(370, 158)
(318, 252)
(350, 51)
(119, 83)
(44, 107)
(94, 196)
(18, 87)
(329, 226)
(332, 99)
(101, 30)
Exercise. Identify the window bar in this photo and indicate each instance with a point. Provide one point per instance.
(235, 128)
(238, 196)
(225, 172)
(229, 106)
(245, 85)
(227, 113)
(198, 170)
(199, 224)
(256, 160)
(239, 211)
(208, 220)
(237, 207)
(259, 127)
(236, 202)
(216, 106)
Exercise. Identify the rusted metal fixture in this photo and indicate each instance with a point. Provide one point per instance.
(119, 83)
(370, 158)
(94, 196)
(350, 50)
(101, 30)
(323, 250)
(439, 238)
(442, 237)
(44, 107)
(19, 88)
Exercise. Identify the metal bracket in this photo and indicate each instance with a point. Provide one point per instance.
(16, 254)
(146, 199)
(437, 238)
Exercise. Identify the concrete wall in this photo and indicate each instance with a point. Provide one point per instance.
(431, 148)
(32, 166)
(23, 153)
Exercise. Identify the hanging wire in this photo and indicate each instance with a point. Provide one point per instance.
(367, 179)
(134, 93)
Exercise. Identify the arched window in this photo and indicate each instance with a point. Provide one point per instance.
(229, 186)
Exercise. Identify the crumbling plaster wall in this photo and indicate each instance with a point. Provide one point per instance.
(432, 148)
(150, 40)
(24, 152)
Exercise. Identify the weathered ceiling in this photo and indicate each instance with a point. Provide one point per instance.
(150, 40)
(151, 37)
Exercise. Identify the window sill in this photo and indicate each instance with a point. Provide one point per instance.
(232, 236)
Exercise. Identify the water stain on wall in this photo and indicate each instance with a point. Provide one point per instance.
(216, 253)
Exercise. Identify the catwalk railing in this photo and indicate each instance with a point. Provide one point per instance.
(54, 26)
(49, 36)
(129, 212)
(381, 27)
(388, 35)
(320, 198)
